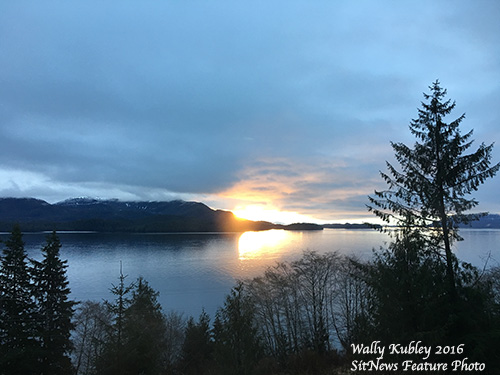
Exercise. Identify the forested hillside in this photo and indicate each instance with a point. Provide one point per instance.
(84, 214)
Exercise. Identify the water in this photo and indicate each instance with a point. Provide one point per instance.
(196, 270)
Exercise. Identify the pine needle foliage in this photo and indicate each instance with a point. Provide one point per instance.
(19, 348)
(54, 309)
(430, 191)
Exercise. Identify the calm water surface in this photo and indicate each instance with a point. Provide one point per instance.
(196, 270)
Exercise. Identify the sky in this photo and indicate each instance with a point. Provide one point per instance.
(276, 110)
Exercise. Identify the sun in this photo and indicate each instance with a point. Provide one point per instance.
(257, 212)
(253, 212)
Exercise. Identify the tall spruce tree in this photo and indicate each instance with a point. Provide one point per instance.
(197, 349)
(112, 360)
(237, 343)
(136, 343)
(19, 348)
(54, 309)
(430, 193)
(144, 332)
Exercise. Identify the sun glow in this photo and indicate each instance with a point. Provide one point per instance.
(273, 215)
(265, 244)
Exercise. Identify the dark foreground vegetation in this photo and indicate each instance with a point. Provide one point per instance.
(415, 308)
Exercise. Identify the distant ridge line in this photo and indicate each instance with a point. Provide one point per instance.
(112, 215)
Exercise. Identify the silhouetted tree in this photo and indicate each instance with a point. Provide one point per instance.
(414, 293)
(430, 191)
(316, 276)
(113, 358)
(237, 343)
(305, 308)
(197, 350)
(303, 304)
(18, 345)
(278, 311)
(351, 302)
(174, 339)
(494, 279)
(54, 309)
(144, 331)
(408, 293)
(136, 343)
(89, 337)
(409, 300)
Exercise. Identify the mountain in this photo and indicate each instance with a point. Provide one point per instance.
(87, 214)
(352, 226)
(490, 221)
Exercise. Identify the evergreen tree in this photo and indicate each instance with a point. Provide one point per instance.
(197, 350)
(112, 360)
(54, 309)
(136, 342)
(144, 332)
(414, 294)
(238, 346)
(409, 300)
(430, 192)
(18, 347)
(407, 293)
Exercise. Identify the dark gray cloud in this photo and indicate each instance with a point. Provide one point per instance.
(148, 100)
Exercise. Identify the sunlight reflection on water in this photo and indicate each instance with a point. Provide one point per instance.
(265, 244)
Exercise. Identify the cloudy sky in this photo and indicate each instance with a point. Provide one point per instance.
(276, 108)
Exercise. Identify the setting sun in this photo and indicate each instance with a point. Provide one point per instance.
(260, 212)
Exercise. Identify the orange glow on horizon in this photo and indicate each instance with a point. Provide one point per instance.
(282, 192)
(258, 212)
